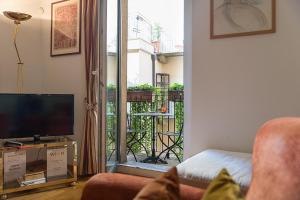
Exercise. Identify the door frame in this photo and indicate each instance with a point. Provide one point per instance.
(122, 80)
(103, 82)
(121, 149)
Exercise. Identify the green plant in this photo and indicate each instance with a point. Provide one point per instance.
(179, 113)
(111, 128)
(156, 33)
(111, 86)
(140, 124)
(142, 87)
(160, 99)
(176, 87)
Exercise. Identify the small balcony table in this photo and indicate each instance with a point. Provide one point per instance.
(153, 158)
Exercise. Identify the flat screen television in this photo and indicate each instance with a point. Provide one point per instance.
(26, 115)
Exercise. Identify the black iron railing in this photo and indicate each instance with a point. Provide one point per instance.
(168, 129)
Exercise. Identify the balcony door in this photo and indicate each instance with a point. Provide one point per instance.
(113, 86)
(144, 124)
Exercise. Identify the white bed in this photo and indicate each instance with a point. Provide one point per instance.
(203, 167)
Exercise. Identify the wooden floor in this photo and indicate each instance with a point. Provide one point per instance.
(58, 193)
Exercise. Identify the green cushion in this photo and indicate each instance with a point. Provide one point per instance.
(223, 187)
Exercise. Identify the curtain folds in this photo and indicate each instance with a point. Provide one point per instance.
(89, 145)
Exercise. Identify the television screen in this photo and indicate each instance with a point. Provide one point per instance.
(25, 115)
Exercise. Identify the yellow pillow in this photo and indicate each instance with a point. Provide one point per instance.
(223, 187)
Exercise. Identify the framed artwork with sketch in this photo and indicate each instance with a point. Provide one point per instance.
(65, 27)
(232, 18)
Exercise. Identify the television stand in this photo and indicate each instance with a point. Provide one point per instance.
(37, 139)
(10, 184)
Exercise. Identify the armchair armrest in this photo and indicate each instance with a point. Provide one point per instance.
(125, 187)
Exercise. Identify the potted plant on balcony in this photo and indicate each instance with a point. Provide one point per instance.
(156, 37)
(176, 92)
(140, 93)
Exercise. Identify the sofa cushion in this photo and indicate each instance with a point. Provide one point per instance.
(165, 187)
(223, 187)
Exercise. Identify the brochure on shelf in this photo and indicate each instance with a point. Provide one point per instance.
(57, 162)
(14, 165)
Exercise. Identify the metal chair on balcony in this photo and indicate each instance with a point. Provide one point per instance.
(111, 137)
(135, 137)
(176, 139)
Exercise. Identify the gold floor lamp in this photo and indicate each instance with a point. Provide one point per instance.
(18, 17)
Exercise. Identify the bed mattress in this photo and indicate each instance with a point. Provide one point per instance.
(205, 166)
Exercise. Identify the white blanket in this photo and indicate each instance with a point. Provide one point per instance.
(206, 165)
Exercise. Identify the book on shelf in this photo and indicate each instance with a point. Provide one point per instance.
(22, 182)
(32, 178)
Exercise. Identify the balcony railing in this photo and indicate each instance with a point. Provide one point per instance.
(139, 27)
(167, 129)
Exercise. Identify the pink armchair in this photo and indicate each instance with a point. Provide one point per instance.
(276, 161)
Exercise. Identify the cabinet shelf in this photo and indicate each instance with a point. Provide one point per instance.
(36, 165)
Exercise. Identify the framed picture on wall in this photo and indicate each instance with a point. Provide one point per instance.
(65, 27)
(232, 18)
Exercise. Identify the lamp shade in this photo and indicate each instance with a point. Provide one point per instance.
(17, 16)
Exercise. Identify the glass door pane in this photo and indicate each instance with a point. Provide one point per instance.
(112, 84)
(155, 95)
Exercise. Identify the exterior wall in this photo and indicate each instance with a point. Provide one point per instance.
(139, 63)
(234, 85)
(112, 62)
(140, 44)
(133, 68)
(174, 67)
(145, 68)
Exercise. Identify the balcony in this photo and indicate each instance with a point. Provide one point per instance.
(154, 124)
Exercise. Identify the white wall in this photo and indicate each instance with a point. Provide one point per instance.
(42, 73)
(234, 85)
(28, 36)
(63, 74)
